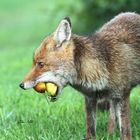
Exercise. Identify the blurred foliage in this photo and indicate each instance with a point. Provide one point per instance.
(96, 12)
(29, 21)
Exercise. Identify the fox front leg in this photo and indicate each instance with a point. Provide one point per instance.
(90, 106)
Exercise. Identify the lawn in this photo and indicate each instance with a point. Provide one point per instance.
(26, 115)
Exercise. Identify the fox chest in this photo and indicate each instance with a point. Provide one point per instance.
(89, 92)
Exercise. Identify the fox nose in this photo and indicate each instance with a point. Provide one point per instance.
(22, 85)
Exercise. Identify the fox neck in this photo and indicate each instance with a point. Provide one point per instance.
(91, 72)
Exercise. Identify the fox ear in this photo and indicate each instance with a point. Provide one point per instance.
(63, 31)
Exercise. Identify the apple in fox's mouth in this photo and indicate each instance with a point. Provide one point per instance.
(50, 87)
(40, 87)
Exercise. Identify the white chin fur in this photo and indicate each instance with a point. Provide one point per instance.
(51, 77)
(46, 77)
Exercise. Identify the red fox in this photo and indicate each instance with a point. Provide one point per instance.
(102, 66)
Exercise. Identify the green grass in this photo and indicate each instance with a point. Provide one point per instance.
(25, 115)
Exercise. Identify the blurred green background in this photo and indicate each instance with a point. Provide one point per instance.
(26, 115)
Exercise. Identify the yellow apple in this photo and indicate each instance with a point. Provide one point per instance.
(51, 88)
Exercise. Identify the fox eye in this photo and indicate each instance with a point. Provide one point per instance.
(41, 64)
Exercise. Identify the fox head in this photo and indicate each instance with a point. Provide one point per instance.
(53, 59)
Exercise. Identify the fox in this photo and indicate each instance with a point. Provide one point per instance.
(103, 66)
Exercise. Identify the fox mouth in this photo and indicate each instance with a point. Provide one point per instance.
(56, 79)
(51, 88)
(48, 77)
(52, 98)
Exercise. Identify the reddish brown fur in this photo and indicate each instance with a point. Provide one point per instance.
(47, 53)
(107, 66)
